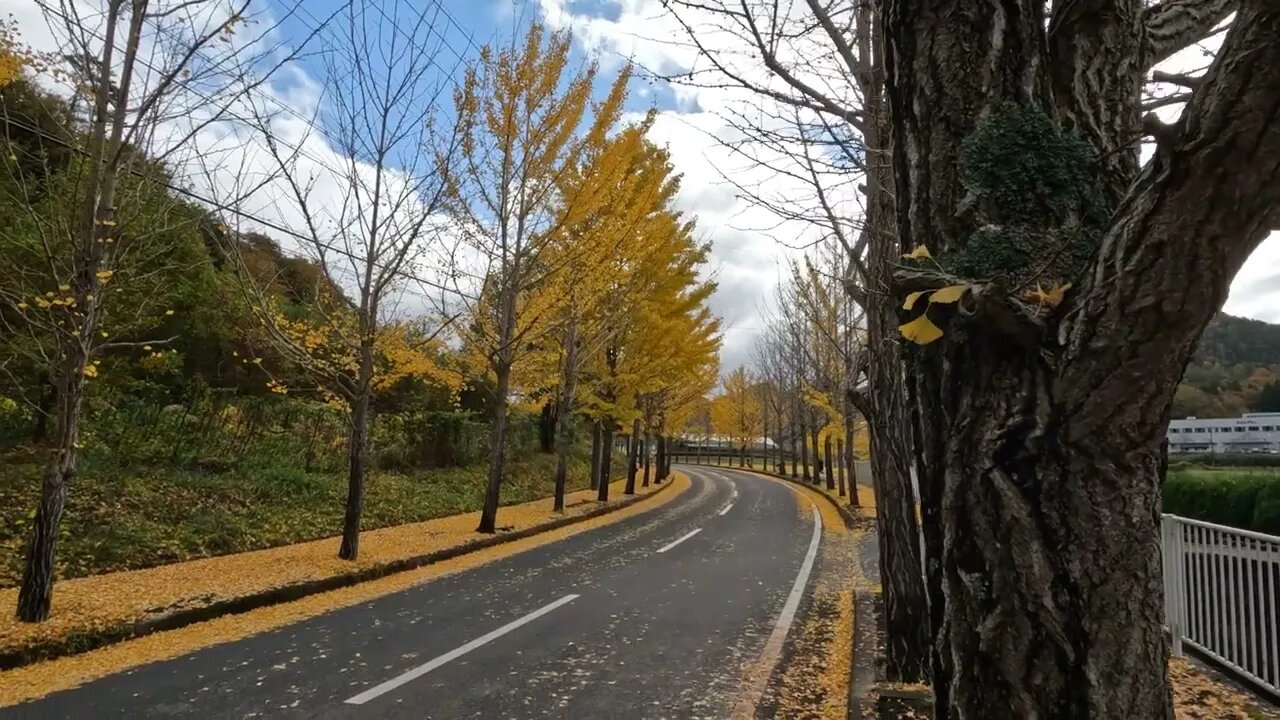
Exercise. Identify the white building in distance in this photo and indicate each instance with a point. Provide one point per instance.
(1249, 433)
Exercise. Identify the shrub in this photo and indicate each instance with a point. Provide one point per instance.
(1266, 511)
(1248, 500)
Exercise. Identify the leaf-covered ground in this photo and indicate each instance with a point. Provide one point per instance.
(1199, 695)
(142, 588)
(152, 516)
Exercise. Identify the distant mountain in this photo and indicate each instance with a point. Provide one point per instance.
(1235, 370)
(1232, 340)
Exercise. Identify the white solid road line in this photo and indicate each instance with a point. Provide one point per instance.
(421, 670)
(758, 676)
(679, 540)
(726, 509)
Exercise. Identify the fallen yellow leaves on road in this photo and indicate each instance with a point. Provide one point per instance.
(105, 601)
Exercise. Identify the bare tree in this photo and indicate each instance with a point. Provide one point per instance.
(370, 219)
(146, 77)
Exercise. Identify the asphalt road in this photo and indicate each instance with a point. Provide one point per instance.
(656, 616)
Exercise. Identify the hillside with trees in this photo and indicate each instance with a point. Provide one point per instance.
(1235, 370)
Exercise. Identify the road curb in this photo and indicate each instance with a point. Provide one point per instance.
(845, 513)
(82, 642)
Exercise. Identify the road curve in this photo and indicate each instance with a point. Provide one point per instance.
(659, 615)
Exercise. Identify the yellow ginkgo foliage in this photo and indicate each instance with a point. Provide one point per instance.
(921, 331)
(1051, 297)
(920, 252)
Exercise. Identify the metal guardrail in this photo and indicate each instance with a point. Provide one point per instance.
(1222, 596)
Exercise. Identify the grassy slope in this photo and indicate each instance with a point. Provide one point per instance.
(125, 520)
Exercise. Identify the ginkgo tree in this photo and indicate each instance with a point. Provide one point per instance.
(662, 328)
(526, 123)
(600, 263)
(736, 412)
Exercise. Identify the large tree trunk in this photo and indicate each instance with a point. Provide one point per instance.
(633, 448)
(804, 451)
(663, 468)
(908, 652)
(826, 458)
(848, 456)
(647, 440)
(497, 448)
(564, 441)
(796, 434)
(597, 434)
(817, 454)
(36, 593)
(606, 462)
(1041, 423)
(840, 466)
(358, 457)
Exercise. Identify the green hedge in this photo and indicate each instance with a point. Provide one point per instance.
(1249, 500)
(1252, 460)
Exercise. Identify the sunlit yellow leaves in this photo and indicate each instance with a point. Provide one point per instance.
(104, 275)
(912, 298)
(13, 57)
(921, 331)
(41, 302)
(949, 294)
(1052, 297)
(919, 253)
(64, 287)
(166, 312)
(91, 371)
(23, 306)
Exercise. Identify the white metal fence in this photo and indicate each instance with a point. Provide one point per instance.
(1222, 596)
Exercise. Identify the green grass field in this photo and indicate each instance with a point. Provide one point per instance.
(121, 519)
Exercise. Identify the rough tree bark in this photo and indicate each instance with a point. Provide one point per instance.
(663, 467)
(647, 440)
(840, 455)
(606, 462)
(633, 447)
(847, 456)
(817, 454)
(826, 460)
(1042, 421)
(804, 450)
(596, 436)
(497, 445)
(358, 454)
(564, 416)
